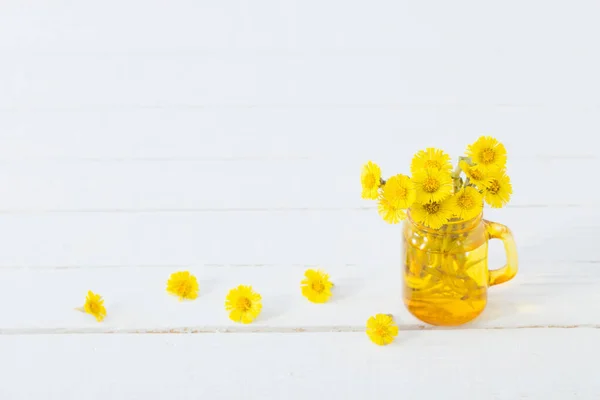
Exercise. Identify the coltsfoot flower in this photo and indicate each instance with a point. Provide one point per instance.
(183, 285)
(487, 152)
(243, 304)
(94, 305)
(498, 191)
(431, 158)
(381, 329)
(390, 211)
(467, 203)
(316, 286)
(397, 195)
(370, 179)
(432, 185)
(433, 214)
(476, 174)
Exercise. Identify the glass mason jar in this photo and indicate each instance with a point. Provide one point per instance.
(446, 273)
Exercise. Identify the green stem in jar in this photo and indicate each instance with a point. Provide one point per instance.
(456, 180)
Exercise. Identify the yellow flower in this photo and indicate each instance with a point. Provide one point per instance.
(499, 189)
(397, 195)
(243, 304)
(467, 203)
(487, 152)
(432, 214)
(94, 305)
(431, 158)
(381, 329)
(370, 178)
(400, 190)
(476, 174)
(316, 287)
(390, 211)
(432, 185)
(183, 284)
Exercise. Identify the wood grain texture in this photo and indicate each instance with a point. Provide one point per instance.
(454, 364)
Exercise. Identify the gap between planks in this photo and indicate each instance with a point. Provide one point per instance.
(265, 329)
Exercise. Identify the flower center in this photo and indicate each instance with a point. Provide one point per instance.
(318, 286)
(370, 180)
(466, 202)
(244, 304)
(432, 164)
(488, 156)
(432, 208)
(381, 330)
(476, 174)
(494, 187)
(401, 192)
(184, 288)
(93, 308)
(431, 185)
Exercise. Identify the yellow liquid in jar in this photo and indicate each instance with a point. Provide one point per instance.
(446, 288)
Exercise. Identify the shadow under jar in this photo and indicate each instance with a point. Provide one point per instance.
(446, 273)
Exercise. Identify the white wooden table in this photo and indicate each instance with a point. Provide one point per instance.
(138, 138)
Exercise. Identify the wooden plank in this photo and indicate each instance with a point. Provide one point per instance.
(419, 77)
(249, 184)
(387, 133)
(543, 294)
(271, 25)
(357, 237)
(454, 365)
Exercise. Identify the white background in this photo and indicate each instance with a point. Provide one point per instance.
(138, 138)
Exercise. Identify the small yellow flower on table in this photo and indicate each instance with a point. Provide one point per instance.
(243, 304)
(316, 286)
(381, 329)
(94, 305)
(183, 285)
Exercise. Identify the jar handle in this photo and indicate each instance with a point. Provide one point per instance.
(495, 230)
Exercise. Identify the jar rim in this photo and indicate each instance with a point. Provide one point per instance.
(465, 222)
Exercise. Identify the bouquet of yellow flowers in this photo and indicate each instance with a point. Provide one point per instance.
(436, 193)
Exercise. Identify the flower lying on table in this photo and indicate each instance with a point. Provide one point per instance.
(435, 194)
(183, 285)
(94, 305)
(316, 287)
(243, 304)
(381, 329)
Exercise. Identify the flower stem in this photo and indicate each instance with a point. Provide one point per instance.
(456, 178)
